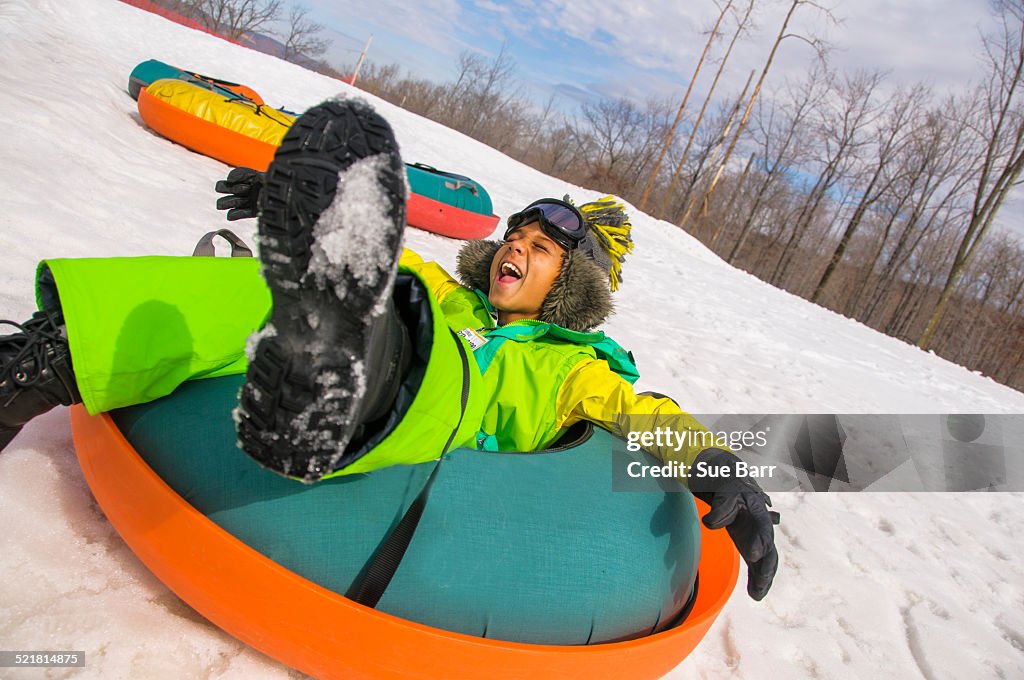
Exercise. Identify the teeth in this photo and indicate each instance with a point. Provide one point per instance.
(511, 269)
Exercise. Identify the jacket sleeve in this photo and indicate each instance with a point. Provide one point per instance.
(440, 282)
(593, 392)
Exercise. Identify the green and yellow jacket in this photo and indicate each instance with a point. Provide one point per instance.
(539, 378)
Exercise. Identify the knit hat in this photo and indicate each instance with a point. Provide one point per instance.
(580, 298)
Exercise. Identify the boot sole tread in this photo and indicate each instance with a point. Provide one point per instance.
(284, 408)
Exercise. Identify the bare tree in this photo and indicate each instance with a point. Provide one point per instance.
(734, 200)
(712, 153)
(924, 200)
(679, 114)
(780, 132)
(539, 124)
(870, 196)
(1008, 303)
(654, 117)
(741, 28)
(819, 47)
(1003, 159)
(613, 122)
(987, 277)
(232, 18)
(482, 91)
(303, 35)
(842, 125)
(380, 80)
(890, 139)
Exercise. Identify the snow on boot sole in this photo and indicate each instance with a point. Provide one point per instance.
(330, 230)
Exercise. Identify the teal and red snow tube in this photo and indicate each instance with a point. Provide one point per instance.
(448, 204)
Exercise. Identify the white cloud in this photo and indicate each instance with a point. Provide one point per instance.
(653, 42)
(425, 23)
(914, 39)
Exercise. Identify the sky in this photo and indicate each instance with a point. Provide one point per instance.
(611, 48)
(583, 50)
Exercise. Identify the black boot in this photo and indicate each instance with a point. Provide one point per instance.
(330, 231)
(35, 372)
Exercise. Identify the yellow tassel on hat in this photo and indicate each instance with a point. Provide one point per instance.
(611, 228)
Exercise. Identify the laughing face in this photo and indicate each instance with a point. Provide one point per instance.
(522, 273)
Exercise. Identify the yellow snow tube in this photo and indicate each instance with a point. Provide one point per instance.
(234, 130)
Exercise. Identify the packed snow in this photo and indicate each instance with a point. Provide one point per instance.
(871, 585)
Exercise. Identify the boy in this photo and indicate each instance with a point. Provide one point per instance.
(364, 363)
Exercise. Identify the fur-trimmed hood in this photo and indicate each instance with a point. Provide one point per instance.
(579, 300)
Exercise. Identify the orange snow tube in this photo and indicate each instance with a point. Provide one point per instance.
(325, 634)
(236, 131)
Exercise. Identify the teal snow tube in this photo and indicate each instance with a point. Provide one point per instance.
(449, 188)
(532, 547)
(448, 204)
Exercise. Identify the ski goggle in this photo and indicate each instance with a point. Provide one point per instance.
(559, 219)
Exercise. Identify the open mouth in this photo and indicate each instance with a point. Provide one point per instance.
(508, 273)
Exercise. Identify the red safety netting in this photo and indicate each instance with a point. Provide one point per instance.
(176, 18)
(150, 6)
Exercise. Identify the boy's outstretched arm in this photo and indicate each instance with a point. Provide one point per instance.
(593, 392)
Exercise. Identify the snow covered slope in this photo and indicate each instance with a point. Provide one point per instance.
(905, 585)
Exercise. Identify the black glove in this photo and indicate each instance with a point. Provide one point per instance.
(244, 186)
(738, 504)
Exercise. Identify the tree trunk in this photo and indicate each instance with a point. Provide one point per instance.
(718, 147)
(1007, 58)
(679, 114)
(666, 197)
(750, 105)
(733, 200)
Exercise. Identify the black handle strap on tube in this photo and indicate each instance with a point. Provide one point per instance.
(205, 246)
(443, 173)
(459, 184)
(684, 613)
(368, 590)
